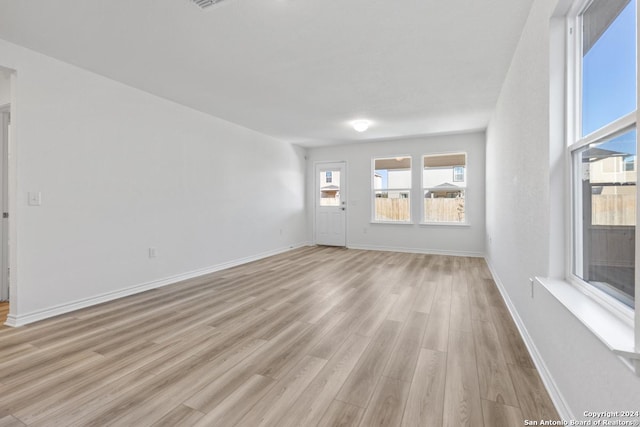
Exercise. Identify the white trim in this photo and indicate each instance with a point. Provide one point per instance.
(609, 131)
(614, 306)
(613, 331)
(417, 250)
(5, 120)
(571, 90)
(392, 222)
(24, 319)
(547, 379)
(12, 194)
(446, 224)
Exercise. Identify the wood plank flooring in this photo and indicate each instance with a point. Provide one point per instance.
(4, 312)
(316, 336)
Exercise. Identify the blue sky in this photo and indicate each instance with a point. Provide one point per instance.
(384, 175)
(609, 74)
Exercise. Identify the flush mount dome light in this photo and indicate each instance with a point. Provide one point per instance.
(361, 125)
(205, 3)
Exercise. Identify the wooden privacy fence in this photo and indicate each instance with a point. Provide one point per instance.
(613, 209)
(610, 209)
(435, 210)
(444, 210)
(392, 209)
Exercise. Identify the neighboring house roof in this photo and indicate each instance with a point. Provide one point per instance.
(329, 187)
(596, 153)
(625, 145)
(445, 185)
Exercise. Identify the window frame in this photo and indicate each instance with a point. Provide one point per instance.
(574, 143)
(465, 190)
(409, 190)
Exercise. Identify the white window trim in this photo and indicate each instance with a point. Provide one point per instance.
(616, 333)
(373, 191)
(613, 322)
(446, 224)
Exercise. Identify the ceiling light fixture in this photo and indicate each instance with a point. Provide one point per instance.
(205, 3)
(361, 125)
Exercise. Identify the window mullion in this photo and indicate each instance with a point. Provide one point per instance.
(619, 126)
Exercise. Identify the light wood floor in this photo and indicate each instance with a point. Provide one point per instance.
(317, 336)
(4, 311)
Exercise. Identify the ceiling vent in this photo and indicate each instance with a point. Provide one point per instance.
(204, 4)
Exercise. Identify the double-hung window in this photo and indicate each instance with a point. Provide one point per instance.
(602, 145)
(392, 189)
(444, 186)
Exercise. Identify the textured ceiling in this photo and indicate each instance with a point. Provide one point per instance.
(298, 70)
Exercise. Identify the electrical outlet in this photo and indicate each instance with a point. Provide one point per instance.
(35, 198)
(152, 253)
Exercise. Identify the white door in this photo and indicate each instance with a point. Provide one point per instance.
(331, 204)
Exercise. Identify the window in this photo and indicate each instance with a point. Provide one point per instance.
(458, 174)
(630, 164)
(328, 177)
(443, 200)
(602, 146)
(392, 189)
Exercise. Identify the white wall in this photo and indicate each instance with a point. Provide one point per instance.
(525, 228)
(361, 233)
(121, 171)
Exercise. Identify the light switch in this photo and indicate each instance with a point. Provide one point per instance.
(35, 198)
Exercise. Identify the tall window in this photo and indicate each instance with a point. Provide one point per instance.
(603, 146)
(444, 185)
(392, 189)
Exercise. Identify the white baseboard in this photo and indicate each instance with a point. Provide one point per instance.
(417, 250)
(25, 319)
(547, 379)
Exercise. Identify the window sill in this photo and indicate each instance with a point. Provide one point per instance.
(392, 222)
(613, 331)
(446, 224)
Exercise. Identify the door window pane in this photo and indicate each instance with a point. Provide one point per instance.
(330, 188)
